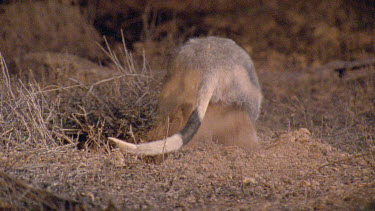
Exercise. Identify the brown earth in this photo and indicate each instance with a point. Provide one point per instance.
(293, 172)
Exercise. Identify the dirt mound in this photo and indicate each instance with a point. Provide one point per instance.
(295, 172)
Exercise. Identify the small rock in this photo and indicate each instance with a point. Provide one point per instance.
(249, 180)
(118, 158)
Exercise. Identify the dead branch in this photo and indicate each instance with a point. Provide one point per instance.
(342, 66)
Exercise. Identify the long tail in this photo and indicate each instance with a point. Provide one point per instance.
(179, 139)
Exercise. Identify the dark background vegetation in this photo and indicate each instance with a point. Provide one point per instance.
(76, 72)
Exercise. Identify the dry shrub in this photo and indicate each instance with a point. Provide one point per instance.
(105, 101)
(122, 105)
(46, 26)
(27, 118)
(128, 101)
(46, 124)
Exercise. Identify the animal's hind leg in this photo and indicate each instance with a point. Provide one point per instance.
(229, 125)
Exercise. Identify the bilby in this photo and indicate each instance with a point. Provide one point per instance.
(211, 88)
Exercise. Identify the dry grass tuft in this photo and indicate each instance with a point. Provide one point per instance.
(80, 102)
(37, 122)
(27, 118)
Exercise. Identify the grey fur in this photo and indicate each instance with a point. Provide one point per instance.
(223, 59)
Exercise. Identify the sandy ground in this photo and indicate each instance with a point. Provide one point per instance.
(293, 172)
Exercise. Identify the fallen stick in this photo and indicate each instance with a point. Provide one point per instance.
(342, 66)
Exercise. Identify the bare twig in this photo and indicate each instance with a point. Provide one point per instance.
(346, 159)
(5, 74)
(132, 134)
(342, 66)
(60, 135)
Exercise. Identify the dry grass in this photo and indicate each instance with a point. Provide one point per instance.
(27, 118)
(39, 121)
(74, 102)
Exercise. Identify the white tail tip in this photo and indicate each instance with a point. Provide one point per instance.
(127, 147)
(170, 144)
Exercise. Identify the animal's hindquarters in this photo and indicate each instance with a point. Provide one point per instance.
(224, 124)
(228, 125)
(210, 83)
